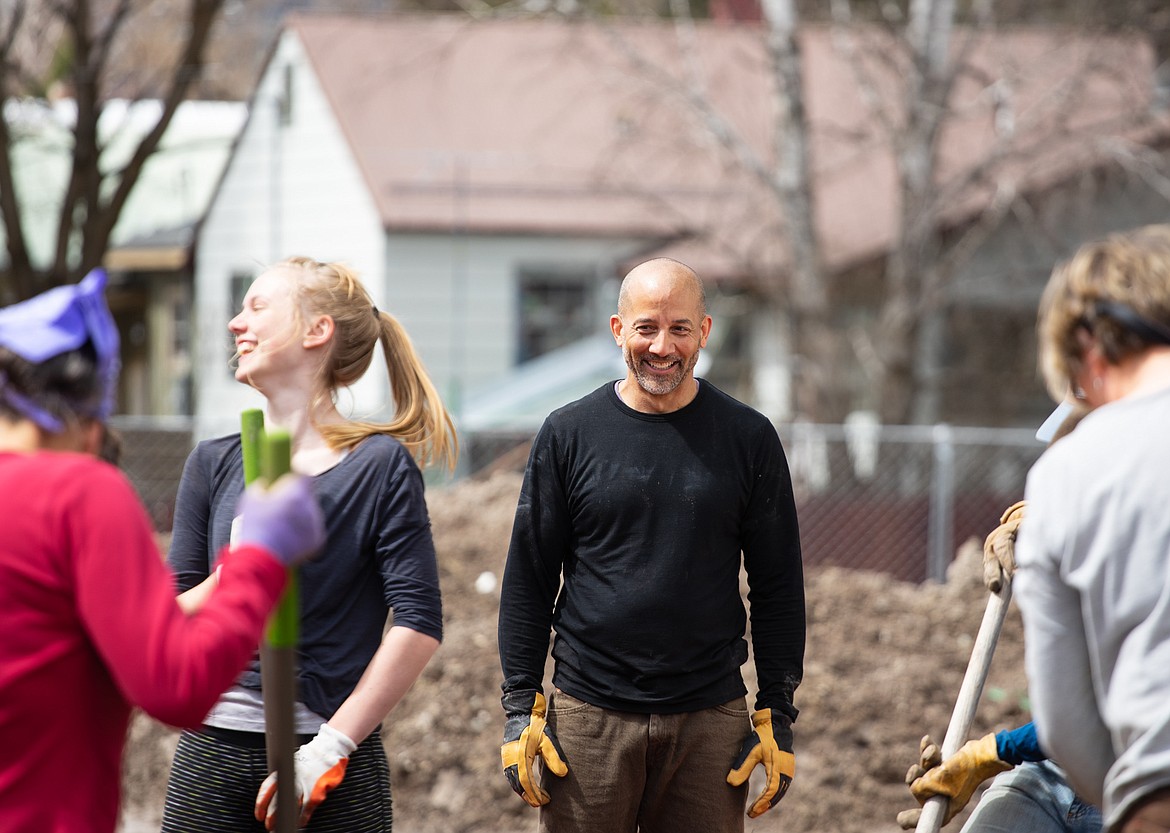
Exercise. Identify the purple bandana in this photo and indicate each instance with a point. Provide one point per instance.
(55, 322)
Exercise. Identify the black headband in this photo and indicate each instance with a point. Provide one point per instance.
(1152, 331)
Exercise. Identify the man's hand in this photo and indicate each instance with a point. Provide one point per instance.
(956, 778)
(769, 745)
(999, 549)
(320, 767)
(527, 735)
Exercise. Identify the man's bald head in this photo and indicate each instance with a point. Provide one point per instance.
(661, 275)
(661, 325)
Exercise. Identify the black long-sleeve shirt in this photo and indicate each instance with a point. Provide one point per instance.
(645, 517)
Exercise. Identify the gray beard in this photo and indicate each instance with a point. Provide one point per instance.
(658, 385)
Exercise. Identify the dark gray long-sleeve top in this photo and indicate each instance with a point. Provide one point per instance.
(379, 555)
(645, 517)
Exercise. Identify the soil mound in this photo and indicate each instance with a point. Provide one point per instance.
(883, 666)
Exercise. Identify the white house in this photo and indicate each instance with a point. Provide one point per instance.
(148, 260)
(491, 180)
(488, 251)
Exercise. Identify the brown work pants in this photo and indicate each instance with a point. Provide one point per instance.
(651, 773)
(1150, 814)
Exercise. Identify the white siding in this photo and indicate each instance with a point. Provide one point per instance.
(458, 298)
(296, 189)
(289, 189)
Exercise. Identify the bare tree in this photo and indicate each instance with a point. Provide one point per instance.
(928, 83)
(793, 287)
(917, 76)
(86, 56)
(933, 57)
(793, 186)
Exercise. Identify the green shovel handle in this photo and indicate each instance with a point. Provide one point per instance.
(269, 455)
(284, 626)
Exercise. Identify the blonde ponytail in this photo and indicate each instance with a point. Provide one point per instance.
(421, 422)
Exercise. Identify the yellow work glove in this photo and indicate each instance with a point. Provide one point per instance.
(956, 778)
(999, 549)
(526, 736)
(769, 745)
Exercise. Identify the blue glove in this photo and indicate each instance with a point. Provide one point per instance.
(285, 519)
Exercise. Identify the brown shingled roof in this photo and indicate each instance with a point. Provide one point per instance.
(546, 126)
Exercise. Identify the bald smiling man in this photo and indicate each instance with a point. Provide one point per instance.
(640, 502)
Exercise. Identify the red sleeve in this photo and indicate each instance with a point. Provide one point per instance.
(171, 665)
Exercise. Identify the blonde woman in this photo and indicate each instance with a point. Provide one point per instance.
(305, 330)
(1093, 580)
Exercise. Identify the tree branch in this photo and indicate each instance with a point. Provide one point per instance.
(14, 240)
(83, 172)
(202, 17)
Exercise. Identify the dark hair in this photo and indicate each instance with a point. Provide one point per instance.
(65, 388)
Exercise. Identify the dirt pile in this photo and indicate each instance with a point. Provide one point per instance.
(883, 666)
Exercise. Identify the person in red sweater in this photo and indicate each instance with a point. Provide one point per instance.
(87, 607)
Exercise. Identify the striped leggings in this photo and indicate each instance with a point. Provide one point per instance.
(216, 774)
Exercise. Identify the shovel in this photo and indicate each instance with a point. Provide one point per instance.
(267, 455)
(934, 810)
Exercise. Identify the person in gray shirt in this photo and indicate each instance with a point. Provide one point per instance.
(1093, 578)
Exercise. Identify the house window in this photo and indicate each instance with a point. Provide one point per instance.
(556, 309)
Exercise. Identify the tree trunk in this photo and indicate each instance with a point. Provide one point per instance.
(93, 198)
(807, 296)
(915, 248)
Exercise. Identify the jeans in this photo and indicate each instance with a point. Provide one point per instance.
(1032, 798)
(657, 773)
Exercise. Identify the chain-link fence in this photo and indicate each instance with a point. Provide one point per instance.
(153, 452)
(902, 499)
(893, 499)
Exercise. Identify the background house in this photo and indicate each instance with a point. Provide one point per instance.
(149, 261)
(492, 180)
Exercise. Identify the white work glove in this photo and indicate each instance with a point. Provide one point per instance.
(320, 766)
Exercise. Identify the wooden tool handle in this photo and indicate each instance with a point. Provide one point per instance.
(934, 810)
